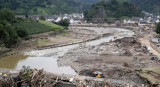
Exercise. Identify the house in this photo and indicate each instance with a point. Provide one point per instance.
(58, 19)
(34, 17)
(155, 21)
(136, 20)
(158, 17)
(71, 21)
(51, 18)
(149, 20)
(142, 22)
(128, 21)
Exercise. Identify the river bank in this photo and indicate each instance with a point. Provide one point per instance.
(105, 55)
(51, 40)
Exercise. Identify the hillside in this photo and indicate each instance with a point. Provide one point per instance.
(34, 27)
(46, 7)
(152, 6)
(43, 7)
(112, 9)
(13, 29)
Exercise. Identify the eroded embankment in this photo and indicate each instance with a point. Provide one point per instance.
(60, 51)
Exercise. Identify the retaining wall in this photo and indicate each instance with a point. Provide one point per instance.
(54, 46)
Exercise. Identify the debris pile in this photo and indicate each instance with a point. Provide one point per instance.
(26, 78)
(31, 78)
(38, 78)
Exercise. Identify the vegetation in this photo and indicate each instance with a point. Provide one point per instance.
(150, 74)
(26, 72)
(152, 6)
(52, 25)
(42, 42)
(21, 32)
(35, 27)
(45, 7)
(65, 33)
(64, 22)
(8, 34)
(12, 29)
(158, 28)
(42, 18)
(112, 9)
(42, 7)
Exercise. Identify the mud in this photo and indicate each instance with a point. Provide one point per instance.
(117, 60)
(119, 57)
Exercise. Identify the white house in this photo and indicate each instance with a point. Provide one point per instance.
(158, 17)
(128, 21)
(71, 21)
(155, 21)
(58, 19)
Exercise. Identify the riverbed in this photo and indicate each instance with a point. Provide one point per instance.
(47, 59)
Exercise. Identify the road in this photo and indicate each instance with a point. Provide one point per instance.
(145, 41)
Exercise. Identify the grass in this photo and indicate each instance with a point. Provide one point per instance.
(150, 77)
(42, 42)
(52, 25)
(155, 69)
(65, 33)
(38, 27)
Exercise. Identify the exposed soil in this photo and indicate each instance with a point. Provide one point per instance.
(49, 38)
(117, 60)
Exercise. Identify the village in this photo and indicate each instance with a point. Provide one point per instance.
(73, 18)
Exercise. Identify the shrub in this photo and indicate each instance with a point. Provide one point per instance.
(158, 28)
(64, 22)
(21, 32)
(42, 18)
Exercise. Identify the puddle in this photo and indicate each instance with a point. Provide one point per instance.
(49, 64)
(10, 62)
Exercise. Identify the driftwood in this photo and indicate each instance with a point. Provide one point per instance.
(37, 78)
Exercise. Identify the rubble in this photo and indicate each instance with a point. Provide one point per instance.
(38, 78)
(108, 58)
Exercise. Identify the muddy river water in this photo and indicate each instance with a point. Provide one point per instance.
(47, 59)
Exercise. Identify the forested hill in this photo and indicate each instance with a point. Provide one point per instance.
(113, 9)
(67, 6)
(152, 6)
(42, 6)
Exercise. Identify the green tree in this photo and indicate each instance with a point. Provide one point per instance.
(112, 9)
(8, 34)
(21, 32)
(42, 18)
(11, 36)
(6, 14)
(64, 22)
(158, 28)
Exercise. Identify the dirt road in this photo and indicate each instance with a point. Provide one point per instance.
(145, 41)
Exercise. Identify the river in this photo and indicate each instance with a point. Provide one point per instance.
(47, 59)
